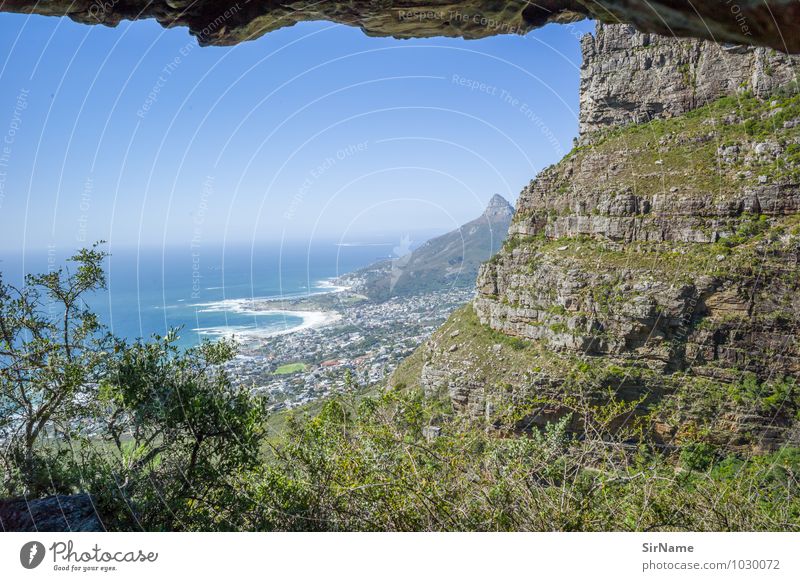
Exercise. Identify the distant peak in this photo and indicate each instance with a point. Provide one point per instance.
(498, 207)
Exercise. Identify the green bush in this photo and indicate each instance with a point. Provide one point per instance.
(153, 432)
(698, 456)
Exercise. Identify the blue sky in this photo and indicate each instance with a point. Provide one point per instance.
(138, 136)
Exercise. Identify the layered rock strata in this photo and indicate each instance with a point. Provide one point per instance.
(656, 264)
(630, 77)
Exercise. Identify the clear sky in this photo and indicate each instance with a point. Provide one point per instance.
(138, 136)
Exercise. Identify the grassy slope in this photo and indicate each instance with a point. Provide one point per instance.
(448, 261)
(686, 146)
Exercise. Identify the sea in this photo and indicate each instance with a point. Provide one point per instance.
(206, 292)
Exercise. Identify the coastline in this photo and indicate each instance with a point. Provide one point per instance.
(310, 318)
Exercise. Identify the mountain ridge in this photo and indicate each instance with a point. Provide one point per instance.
(449, 260)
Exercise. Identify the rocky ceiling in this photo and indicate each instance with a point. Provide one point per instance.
(773, 23)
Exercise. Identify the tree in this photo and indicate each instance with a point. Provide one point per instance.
(52, 352)
(156, 433)
(180, 432)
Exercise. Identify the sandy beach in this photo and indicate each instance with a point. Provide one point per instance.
(311, 319)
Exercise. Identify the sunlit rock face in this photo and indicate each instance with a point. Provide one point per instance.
(658, 261)
(632, 77)
(773, 23)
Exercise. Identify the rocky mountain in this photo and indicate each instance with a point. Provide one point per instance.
(628, 77)
(654, 268)
(774, 23)
(448, 261)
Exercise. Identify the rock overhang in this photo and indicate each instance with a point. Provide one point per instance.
(771, 23)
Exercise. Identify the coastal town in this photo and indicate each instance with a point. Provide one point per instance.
(371, 319)
(362, 346)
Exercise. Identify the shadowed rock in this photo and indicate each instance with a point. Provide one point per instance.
(60, 513)
(773, 23)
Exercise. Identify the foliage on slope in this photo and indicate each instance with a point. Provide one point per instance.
(162, 441)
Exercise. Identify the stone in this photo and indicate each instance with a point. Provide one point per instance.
(59, 513)
(430, 433)
(774, 24)
(629, 77)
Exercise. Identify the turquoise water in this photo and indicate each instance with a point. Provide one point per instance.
(205, 291)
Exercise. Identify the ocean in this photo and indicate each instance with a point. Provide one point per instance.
(205, 292)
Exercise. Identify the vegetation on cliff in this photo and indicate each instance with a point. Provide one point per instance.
(669, 251)
(646, 301)
(161, 441)
(400, 461)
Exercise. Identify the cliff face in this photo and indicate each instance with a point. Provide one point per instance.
(658, 264)
(773, 23)
(630, 77)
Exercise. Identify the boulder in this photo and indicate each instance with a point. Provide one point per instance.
(59, 513)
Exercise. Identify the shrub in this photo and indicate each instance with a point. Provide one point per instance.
(698, 456)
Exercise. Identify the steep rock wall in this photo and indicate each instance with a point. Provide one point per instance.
(658, 260)
(631, 77)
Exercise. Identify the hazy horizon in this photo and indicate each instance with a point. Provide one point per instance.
(315, 132)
